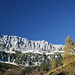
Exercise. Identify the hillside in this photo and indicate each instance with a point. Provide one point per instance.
(6, 69)
(9, 69)
(68, 69)
(68, 61)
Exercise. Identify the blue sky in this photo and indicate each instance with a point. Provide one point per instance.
(50, 20)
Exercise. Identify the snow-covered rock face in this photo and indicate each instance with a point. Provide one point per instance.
(24, 45)
(32, 52)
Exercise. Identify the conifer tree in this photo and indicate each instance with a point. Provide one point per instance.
(53, 63)
(69, 46)
(68, 50)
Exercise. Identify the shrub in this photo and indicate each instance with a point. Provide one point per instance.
(41, 73)
(10, 73)
(23, 72)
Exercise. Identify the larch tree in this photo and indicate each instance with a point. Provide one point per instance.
(68, 50)
(53, 63)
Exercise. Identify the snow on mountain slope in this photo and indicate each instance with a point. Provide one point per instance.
(11, 43)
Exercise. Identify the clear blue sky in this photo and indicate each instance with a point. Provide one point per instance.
(50, 20)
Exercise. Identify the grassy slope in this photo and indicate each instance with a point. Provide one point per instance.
(68, 69)
(10, 69)
(6, 68)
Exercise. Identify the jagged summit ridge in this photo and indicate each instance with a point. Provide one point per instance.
(24, 45)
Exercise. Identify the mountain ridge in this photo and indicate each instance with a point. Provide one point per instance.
(18, 50)
(24, 45)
